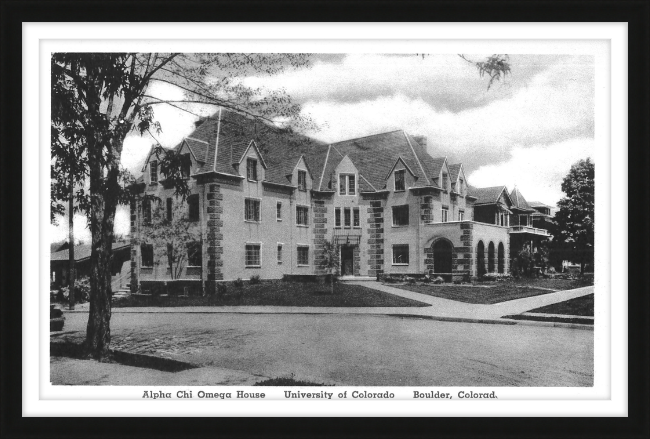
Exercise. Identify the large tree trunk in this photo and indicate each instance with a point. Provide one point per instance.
(71, 277)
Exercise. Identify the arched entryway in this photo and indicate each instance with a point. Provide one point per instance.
(491, 257)
(480, 259)
(442, 251)
(501, 258)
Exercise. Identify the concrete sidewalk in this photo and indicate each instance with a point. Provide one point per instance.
(442, 309)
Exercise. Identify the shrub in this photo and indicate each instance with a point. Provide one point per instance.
(82, 290)
(438, 280)
(239, 283)
(255, 279)
(222, 289)
(496, 276)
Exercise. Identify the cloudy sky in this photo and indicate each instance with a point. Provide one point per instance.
(526, 131)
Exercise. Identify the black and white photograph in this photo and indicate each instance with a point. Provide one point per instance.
(310, 219)
(269, 220)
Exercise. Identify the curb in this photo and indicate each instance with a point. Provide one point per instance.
(498, 322)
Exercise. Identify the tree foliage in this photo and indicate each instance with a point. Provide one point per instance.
(575, 217)
(331, 260)
(99, 98)
(496, 67)
(177, 238)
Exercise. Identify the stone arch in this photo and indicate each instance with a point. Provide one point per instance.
(490, 257)
(501, 257)
(480, 259)
(442, 250)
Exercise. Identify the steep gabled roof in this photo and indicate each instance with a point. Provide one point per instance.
(454, 170)
(488, 195)
(519, 201)
(375, 155)
(198, 148)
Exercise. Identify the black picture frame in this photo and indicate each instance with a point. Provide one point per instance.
(635, 13)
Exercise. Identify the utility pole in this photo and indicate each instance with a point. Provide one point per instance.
(71, 275)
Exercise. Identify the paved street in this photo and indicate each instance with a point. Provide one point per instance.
(358, 349)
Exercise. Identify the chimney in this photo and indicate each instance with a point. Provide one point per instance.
(422, 140)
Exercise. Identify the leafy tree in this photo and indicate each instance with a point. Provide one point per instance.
(575, 217)
(99, 98)
(495, 67)
(179, 238)
(331, 260)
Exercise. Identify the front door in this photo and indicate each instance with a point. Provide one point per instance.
(347, 260)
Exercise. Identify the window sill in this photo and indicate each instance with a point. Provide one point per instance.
(401, 265)
(279, 262)
(302, 190)
(303, 265)
(302, 225)
(252, 181)
(400, 226)
(279, 220)
(252, 221)
(399, 190)
(253, 266)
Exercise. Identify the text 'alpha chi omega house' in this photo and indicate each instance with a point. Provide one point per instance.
(263, 204)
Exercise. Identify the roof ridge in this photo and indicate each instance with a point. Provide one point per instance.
(361, 175)
(365, 137)
(406, 136)
(322, 175)
(342, 156)
(197, 140)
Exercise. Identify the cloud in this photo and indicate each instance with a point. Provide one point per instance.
(537, 170)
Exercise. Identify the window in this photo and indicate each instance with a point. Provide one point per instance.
(302, 215)
(251, 169)
(193, 204)
(445, 182)
(146, 252)
(303, 255)
(401, 215)
(279, 253)
(194, 254)
(252, 209)
(347, 184)
(399, 180)
(427, 210)
(461, 215)
(355, 218)
(278, 211)
(400, 254)
(302, 180)
(169, 209)
(253, 255)
(347, 216)
(186, 165)
(461, 187)
(153, 171)
(337, 217)
(445, 215)
(146, 211)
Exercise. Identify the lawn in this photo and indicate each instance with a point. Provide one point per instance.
(580, 306)
(278, 294)
(485, 295)
(554, 284)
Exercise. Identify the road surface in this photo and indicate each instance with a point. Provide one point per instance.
(360, 350)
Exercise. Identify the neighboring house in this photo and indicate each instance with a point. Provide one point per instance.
(494, 205)
(542, 218)
(265, 206)
(60, 263)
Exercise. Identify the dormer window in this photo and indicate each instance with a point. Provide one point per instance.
(461, 187)
(186, 164)
(445, 182)
(347, 184)
(302, 180)
(153, 171)
(251, 169)
(399, 180)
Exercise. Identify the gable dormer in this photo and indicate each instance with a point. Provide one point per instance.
(346, 176)
(251, 164)
(444, 178)
(301, 176)
(151, 169)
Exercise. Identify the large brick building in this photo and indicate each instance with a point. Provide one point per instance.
(264, 205)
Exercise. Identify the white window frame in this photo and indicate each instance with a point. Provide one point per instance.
(345, 176)
(337, 217)
(303, 206)
(403, 172)
(356, 214)
(298, 247)
(430, 208)
(151, 173)
(259, 200)
(408, 254)
(279, 252)
(278, 211)
(301, 187)
(347, 217)
(259, 245)
(461, 215)
(248, 161)
(444, 215)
